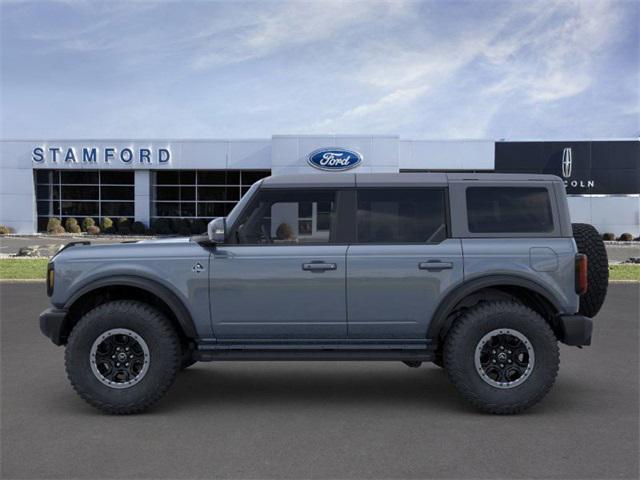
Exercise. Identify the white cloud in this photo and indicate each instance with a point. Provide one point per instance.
(553, 57)
(286, 25)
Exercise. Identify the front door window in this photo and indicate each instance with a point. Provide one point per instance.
(289, 217)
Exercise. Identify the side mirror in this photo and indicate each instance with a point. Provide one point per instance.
(217, 230)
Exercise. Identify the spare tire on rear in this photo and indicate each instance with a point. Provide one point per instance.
(590, 243)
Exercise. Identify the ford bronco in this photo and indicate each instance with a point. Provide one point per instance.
(481, 274)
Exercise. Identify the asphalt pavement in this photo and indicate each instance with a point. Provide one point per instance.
(320, 420)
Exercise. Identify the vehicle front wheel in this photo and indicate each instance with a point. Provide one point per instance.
(122, 356)
(502, 357)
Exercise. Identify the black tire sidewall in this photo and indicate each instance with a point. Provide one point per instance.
(590, 243)
(461, 345)
(148, 323)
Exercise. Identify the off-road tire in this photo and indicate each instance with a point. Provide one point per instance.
(459, 354)
(164, 356)
(589, 242)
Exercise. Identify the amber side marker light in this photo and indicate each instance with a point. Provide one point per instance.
(50, 278)
(582, 281)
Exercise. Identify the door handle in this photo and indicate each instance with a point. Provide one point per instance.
(435, 265)
(318, 266)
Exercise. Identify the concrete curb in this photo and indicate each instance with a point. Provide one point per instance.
(22, 280)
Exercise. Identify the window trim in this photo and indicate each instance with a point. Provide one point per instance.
(447, 220)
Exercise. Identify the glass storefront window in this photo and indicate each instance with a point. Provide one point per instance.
(202, 194)
(80, 194)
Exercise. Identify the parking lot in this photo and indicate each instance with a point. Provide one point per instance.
(320, 420)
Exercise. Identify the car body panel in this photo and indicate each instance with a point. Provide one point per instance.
(263, 292)
(389, 295)
(548, 262)
(169, 263)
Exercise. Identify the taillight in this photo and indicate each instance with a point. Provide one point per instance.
(582, 282)
(51, 275)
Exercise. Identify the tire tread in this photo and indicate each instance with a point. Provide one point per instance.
(454, 363)
(164, 328)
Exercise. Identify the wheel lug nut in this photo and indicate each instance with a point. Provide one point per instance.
(509, 361)
(502, 365)
(113, 356)
(127, 349)
(117, 364)
(130, 356)
(126, 364)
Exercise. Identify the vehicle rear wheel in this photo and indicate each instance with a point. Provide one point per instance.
(589, 242)
(502, 357)
(122, 356)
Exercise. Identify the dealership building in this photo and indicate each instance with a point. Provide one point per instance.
(146, 180)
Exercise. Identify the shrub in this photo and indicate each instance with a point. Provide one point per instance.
(150, 231)
(124, 226)
(93, 230)
(106, 226)
(52, 224)
(57, 230)
(5, 230)
(88, 222)
(71, 225)
(137, 228)
(626, 237)
(162, 226)
(608, 237)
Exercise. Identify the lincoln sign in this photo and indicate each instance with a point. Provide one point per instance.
(589, 167)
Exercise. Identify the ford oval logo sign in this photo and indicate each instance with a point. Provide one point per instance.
(334, 159)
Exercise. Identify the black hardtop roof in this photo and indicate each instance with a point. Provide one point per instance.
(403, 179)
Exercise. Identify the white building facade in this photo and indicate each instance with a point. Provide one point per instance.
(145, 180)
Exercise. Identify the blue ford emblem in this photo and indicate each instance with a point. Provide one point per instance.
(334, 159)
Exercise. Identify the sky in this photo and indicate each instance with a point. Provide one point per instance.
(420, 70)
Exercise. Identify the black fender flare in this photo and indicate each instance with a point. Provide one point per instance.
(455, 296)
(182, 314)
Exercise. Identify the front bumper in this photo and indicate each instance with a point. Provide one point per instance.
(575, 330)
(52, 325)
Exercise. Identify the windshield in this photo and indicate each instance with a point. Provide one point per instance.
(233, 214)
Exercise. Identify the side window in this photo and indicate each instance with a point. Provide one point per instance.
(509, 210)
(289, 217)
(401, 215)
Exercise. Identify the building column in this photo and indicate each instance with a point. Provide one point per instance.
(142, 206)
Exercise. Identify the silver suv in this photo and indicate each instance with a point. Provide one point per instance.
(481, 274)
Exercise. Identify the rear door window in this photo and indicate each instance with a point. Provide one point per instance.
(509, 210)
(401, 215)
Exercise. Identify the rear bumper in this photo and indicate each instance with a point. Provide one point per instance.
(52, 323)
(575, 330)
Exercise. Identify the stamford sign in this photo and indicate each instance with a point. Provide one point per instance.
(334, 159)
(95, 155)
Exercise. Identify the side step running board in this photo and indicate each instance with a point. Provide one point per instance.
(413, 355)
